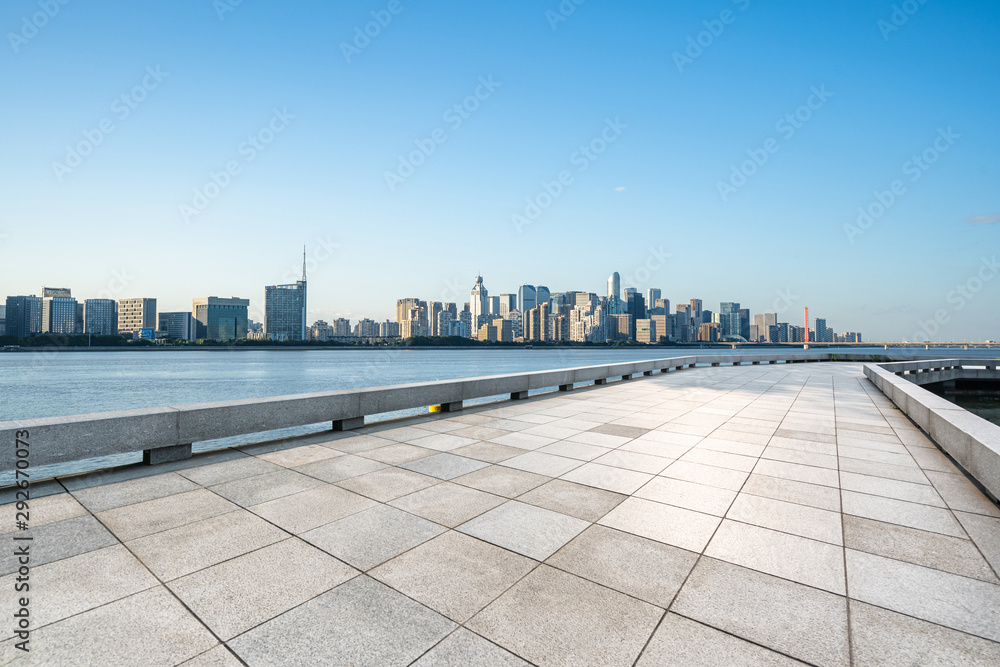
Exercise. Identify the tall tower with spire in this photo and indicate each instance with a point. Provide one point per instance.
(285, 309)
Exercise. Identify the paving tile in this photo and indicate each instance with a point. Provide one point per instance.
(467, 649)
(48, 509)
(396, 453)
(699, 473)
(551, 431)
(543, 464)
(598, 439)
(617, 480)
(395, 433)
(883, 637)
(802, 520)
(578, 500)
(932, 459)
(490, 452)
(360, 623)
(373, 536)
(217, 473)
(681, 641)
(153, 516)
(891, 488)
(636, 566)
(480, 432)
(148, 628)
(262, 488)
(801, 457)
(661, 449)
(961, 494)
(664, 523)
(784, 555)
(720, 459)
(340, 468)
(299, 456)
(755, 606)
(950, 600)
(554, 618)
(241, 593)
(729, 443)
(685, 440)
(54, 541)
(798, 472)
(813, 495)
(799, 434)
(920, 547)
(74, 585)
(355, 443)
(454, 574)
(909, 473)
(680, 493)
(574, 450)
(311, 509)
(901, 512)
(219, 656)
(387, 484)
(110, 496)
(442, 442)
(620, 430)
(523, 441)
(634, 461)
(985, 532)
(502, 481)
(448, 504)
(875, 455)
(192, 547)
(525, 529)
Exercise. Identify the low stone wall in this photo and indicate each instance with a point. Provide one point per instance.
(968, 438)
(165, 434)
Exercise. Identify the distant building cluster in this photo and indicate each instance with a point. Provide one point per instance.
(537, 314)
(528, 315)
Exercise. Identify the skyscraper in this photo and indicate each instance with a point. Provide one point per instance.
(100, 317)
(59, 315)
(542, 295)
(652, 294)
(508, 302)
(478, 302)
(615, 286)
(220, 319)
(526, 298)
(24, 316)
(136, 314)
(729, 319)
(285, 309)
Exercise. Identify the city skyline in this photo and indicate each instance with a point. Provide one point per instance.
(529, 144)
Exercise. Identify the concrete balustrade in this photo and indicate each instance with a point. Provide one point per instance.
(165, 434)
(967, 438)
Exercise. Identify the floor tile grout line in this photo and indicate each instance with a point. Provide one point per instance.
(843, 550)
(160, 582)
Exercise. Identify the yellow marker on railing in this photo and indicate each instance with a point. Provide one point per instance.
(435, 408)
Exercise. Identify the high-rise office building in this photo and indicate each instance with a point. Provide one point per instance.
(542, 295)
(100, 317)
(508, 302)
(615, 286)
(3, 320)
(220, 318)
(136, 314)
(403, 308)
(744, 323)
(729, 320)
(824, 334)
(696, 310)
(478, 302)
(59, 315)
(645, 331)
(285, 309)
(23, 316)
(526, 295)
(493, 305)
(179, 325)
(764, 322)
(652, 294)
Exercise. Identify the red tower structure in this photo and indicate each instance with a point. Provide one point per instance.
(807, 325)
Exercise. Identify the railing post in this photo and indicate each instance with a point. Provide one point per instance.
(348, 424)
(166, 454)
(454, 406)
(518, 395)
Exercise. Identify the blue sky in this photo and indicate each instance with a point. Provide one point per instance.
(126, 219)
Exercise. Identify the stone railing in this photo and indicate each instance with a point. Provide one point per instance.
(166, 434)
(967, 438)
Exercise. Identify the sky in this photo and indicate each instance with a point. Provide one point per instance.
(840, 156)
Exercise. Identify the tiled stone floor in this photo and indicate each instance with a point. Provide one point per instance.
(763, 515)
